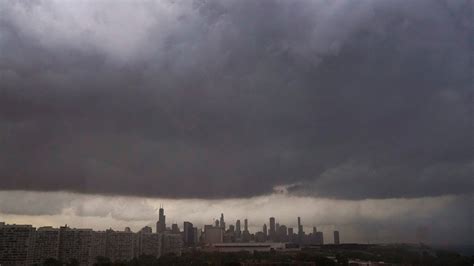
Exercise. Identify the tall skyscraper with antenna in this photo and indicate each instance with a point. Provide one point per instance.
(161, 224)
(300, 231)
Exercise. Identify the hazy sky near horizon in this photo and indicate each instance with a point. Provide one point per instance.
(344, 105)
(440, 220)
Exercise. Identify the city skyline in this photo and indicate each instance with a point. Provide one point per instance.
(27, 245)
(161, 225)
(187, 231)
(369, 226)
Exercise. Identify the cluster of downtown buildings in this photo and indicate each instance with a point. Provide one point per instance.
(26, 245)
(219, 233)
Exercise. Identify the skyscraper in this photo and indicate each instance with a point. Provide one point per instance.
(271, 233)
(282, 233)
(222, 223)
(319, 238)
(300, 228)
(188, 234)
(291, 237)
(175, 229)
(197, 235)
(161, 224)
(213, 234)
(246, 233)
(336, 237)
(238, 232)
(265, 231)
(300, 231)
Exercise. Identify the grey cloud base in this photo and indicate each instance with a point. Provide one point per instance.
(440, 220)
(215, 99)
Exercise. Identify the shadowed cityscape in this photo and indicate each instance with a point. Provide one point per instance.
(23, 244)
(26, 245)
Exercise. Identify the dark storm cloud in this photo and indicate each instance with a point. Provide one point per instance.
(345, 99)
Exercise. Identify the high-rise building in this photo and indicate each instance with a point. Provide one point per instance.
(172, 243)
(300, 227)
(23, 245)
(213, 234)
(238, 232)
(120, 245)
(175, 229)
(161, 224)
(188, 234)
(46, 244)
(336, 237)
(16, 244)
(291, 235)
(222, 222)
(197, 235)
(148, 243)
(272, 231)
(98, 246)
(75, 244)
(300, 231)
(265, 231)
(319, 238)
(282, 233)
(246, 233)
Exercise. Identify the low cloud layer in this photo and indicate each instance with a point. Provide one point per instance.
(224, 99)
(435, 219)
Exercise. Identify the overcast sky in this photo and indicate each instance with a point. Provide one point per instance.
(343, 105)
